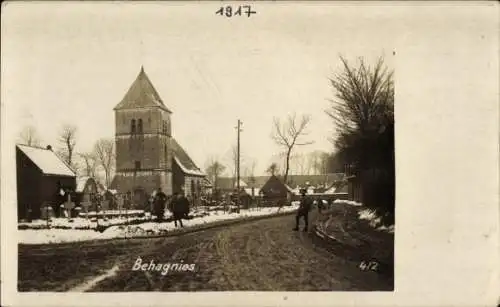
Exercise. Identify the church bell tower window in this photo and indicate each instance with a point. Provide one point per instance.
(139, 125)
(132, 126)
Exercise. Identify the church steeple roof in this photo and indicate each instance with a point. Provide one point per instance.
(141, 93)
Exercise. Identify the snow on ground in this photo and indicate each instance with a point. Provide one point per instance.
(81, 223)
(374, 220)
(368, 215)
(44, 236)
(348, 202)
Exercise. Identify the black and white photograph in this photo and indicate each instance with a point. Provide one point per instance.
(210, 147)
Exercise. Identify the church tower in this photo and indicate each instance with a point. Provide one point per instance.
(143, 139)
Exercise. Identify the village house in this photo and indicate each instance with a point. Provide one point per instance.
(42, 179)
(275, 190)
(147, 155)
(86, 188)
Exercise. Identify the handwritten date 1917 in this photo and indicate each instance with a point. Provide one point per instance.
(229, 11)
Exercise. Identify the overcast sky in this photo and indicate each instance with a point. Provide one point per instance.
(73, 62)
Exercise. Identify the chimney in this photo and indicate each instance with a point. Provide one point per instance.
(49, 147)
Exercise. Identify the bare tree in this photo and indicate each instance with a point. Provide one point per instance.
(29, 136)
(214, 169)
(90, 163)
(318, 161)
(290, 134)
(272, 169)
(324, 163)
(298, 163)
(104, 150)
(67, 139)
(363, 114)
(249, 171)
(363, 109)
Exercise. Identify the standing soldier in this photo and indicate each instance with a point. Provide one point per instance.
(303, 211)
(159, 204)
(180, 208)
(320, 205)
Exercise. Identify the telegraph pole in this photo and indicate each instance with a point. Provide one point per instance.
(238, 129)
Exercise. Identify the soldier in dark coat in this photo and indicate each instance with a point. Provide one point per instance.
(303, 211)
(159, 204)
(180, 208)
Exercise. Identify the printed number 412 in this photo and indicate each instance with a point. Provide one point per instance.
(368, 265)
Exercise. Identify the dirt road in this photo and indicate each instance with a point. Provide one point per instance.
(264, 255)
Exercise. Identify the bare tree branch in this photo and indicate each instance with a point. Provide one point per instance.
(90, 162)
(29, 136)
(104, 151)
(67, 139)
(289, 134)
(214, 169)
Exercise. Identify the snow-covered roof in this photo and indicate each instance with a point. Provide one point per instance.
(242, 184)
(48, 162)
(81, 182)
(256, 191)
(187, 171)
(331, 190)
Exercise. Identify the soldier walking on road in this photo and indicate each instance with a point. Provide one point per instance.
(303, 211)
(179, 208)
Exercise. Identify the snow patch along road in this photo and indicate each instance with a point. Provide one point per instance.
(93, 282)
(47, 236)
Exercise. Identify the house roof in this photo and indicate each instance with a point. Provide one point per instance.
(141, 94)
(274, 182)
(314, 180)
(48, 162)
(256, 191)
(81, 182)
(293, 180)
(184, 161)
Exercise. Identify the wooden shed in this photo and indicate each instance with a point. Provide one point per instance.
(42, 178)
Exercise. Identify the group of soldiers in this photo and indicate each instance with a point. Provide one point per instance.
(178, 205)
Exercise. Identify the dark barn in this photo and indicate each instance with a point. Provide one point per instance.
(275, 190)
(41, 175)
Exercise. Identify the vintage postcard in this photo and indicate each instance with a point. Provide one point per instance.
(218, 148)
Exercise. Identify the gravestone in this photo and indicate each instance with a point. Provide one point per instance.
(120, 203)
(69, 205)
(47, 212)
(85, 207)
(105, 205)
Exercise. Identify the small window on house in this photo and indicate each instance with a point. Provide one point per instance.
(137, 164)
(132, 126)
(139, 125)
(165, 127)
